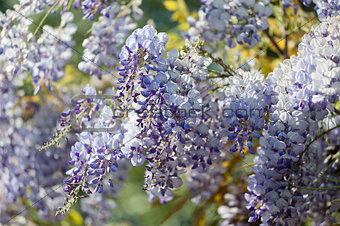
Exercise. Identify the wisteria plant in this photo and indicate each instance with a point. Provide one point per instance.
(236, 108)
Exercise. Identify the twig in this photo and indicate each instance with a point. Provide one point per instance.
(220, 62)
(277, 47)
(316, 138)
(337, 111)
(285, 51)
(220, 74)
(312, 189)
(322, 174)
(44, 18)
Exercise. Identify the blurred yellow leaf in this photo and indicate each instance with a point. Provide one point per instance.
(76, 217)
(199, 217)
(202, 222)
(184, 26)
(72, 75)
(182, 6)
(35, 98)
(175, 40)
(218, 197)
(337, 104)
(69, 71)
(180, 12)
(170, 5)
(268, 65)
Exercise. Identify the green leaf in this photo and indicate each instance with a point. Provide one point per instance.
(176, 208)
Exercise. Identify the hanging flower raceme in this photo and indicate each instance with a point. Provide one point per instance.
(162, 94)
(28, 174)
(303, 90)
(54, 45)
(30, 54)
(97, 153)
(244, 109)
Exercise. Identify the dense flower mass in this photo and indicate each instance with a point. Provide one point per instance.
(26, 173)
(245, 106)
(234, 22)
(54, 45)
(303, 89)
(327, 8)
(167, 93)
(91, 7)
(34, 55)
(324, 8)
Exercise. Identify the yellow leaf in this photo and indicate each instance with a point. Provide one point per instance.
(72, 75)
(35, 99)
(337, 104)
(184, 26)
(218, 197)
(177, 16)
(199, 217)
(182, 7)
(76, 217)
(69, 74)
(175, 40)
(269, 65)
(274, 26)
(170, 5)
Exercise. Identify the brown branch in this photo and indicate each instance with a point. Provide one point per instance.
(337, 111)
(285, 51)
(277, 47)
(226, 68)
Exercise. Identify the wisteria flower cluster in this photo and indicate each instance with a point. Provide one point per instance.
(327, 8)
(36, 54)
(263, 149)
(102, 47)
(234, 22)
(324, 8)
(303, 89)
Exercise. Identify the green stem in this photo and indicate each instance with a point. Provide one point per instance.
(69, 4)
(220, 74)
(316, 138)
(313, 189)
(120, 14)
(322, 174)
(44, 18)
(329, 166)
(226, 68)
(56, 140)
